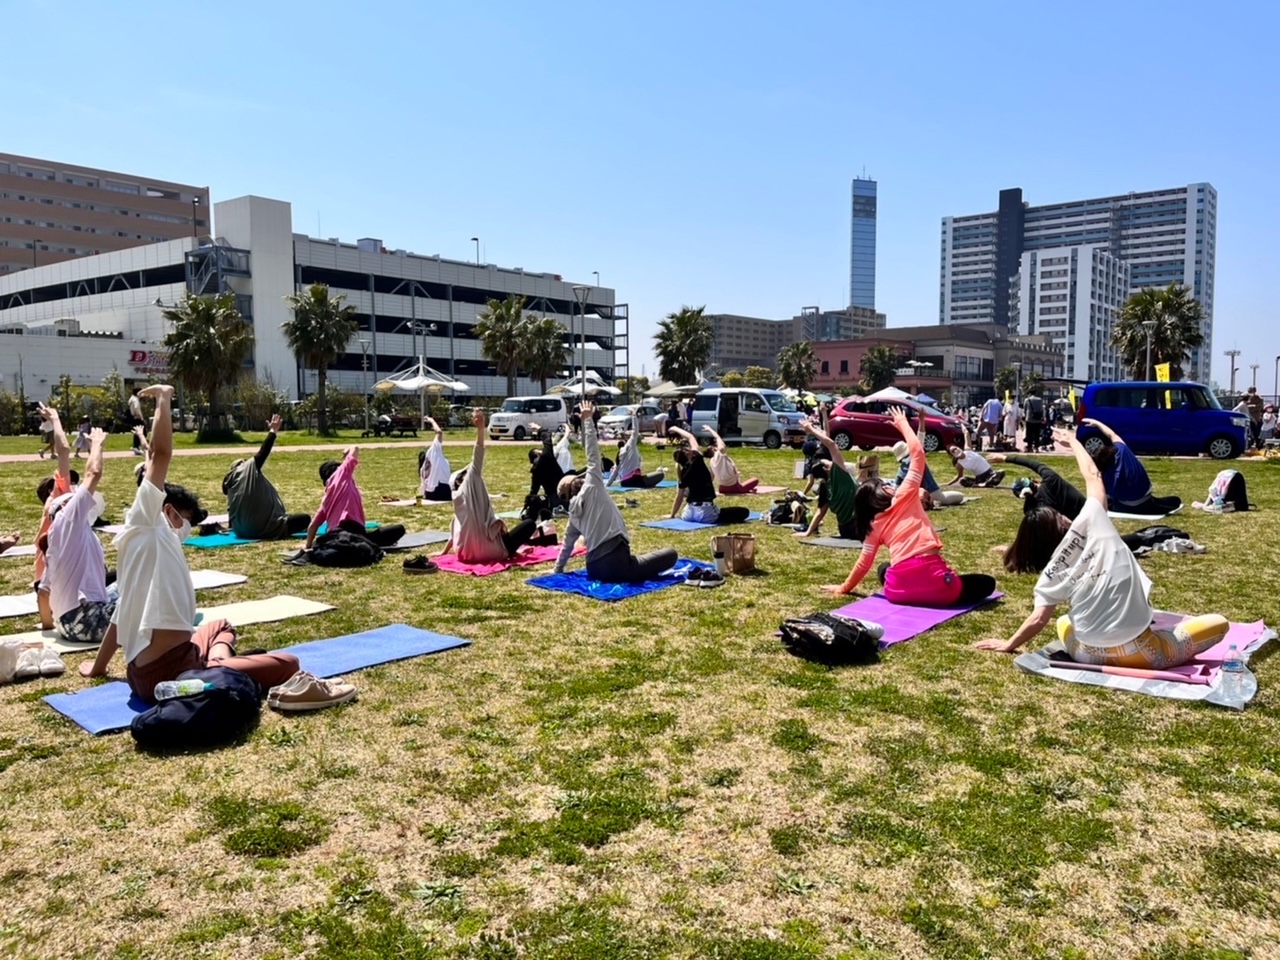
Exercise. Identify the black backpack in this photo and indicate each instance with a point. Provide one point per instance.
(830, 639)
(789, 511)
(344, 548)
(536, 507)
(210, 719)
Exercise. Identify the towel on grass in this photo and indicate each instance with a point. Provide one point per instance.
(580, 583)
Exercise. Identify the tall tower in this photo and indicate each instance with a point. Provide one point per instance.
(862, 245)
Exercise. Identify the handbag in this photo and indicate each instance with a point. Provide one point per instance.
(739, 551)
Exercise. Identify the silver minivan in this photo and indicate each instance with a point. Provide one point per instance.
(524, 417)
(748, 415)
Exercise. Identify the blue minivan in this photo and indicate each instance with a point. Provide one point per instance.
(1152, 417)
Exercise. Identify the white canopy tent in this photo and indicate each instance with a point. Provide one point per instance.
(421, 379)
(589, 384)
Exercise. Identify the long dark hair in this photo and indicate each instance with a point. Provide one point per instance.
(1105, 458)
(871, 499)
(1039, 535)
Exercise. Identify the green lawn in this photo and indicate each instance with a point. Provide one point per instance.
(657, 778)
(249, 438)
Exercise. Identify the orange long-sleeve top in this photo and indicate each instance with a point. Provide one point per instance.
(903, 528)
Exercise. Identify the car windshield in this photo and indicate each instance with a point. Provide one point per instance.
(515, 406)
(623, 411)
(780, 404)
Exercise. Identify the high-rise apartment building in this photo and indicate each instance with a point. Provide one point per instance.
(51, 211)
(1165, 236)
(740, 342)
(1072, 296)
(862, 245)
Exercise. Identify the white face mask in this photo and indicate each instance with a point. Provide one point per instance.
(184, 531)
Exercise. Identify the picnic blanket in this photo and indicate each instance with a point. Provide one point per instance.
(902, 622)
(526, 557)
(687, 526)
(578, 582)
(1201, 678)
(112, 706)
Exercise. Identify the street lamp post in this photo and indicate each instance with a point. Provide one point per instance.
(596, 274)
(580, 295)
(1149, 326)
(195, 203)
(364, 365)
(1277, 383)
(1231, 391)
(1254, 368)
(476, 241)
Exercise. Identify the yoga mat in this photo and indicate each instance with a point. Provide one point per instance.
(527, 557)
(19, 605)
(410, 541)
(664, 485)
(839, 543)
(751, 493)
(901, 622)
(579, 583)
(1118, 515)
(117, 528)
(1201, 678)
(112, 706)
(24, 604)
(211, 579)
(686, 526)
(229, 539)
(21, 550)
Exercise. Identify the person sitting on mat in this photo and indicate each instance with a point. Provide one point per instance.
(153, 619)
(697, 490)
(1047, 489)
(836, 485)
(253, 503)
(724, 470)
(931, 495)
(1128, 487)
(916, 575)
(60, 484)
(1108, 593)
(477, 535)
(971, 460)
(595, 517)
(433, 468)
(75, 575)
(628, 472)
(545, 473)
(342, 506)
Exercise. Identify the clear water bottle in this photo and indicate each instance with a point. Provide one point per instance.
(1233, 670)
(168, 689)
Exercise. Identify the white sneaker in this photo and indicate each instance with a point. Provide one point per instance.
(303, 692)
(51, 664)
(28, 663)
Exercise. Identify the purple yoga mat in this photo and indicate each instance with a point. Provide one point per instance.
(902, 622)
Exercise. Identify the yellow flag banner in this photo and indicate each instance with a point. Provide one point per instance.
(1071, 395)
(1006, 397)
(1162, 376)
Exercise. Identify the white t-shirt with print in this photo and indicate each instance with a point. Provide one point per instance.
(974, 462)
(1094, 572)
(152, 575)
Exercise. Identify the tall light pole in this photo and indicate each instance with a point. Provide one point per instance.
(1277, 383)
(476, 241)
(1149, 326)
(195, 204)
(596, 274)
(1254, 368)
(1231, 390)
(364, 365)
(580, 295)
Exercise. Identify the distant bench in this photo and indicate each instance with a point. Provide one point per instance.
(401, 426)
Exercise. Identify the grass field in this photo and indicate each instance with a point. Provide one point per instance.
(658, 778)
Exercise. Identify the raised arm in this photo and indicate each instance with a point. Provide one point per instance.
(837, 455)
(683, 434)
(477, 455)
(719, 443)
(264, 451)
(60, 445)
(1093, 486)
(589, 441)
(93, 468)
(910, 486)
(1102, 428)
(435, 428)
(161, 433)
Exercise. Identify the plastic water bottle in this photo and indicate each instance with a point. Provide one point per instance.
(169, 689)
(1233, 670)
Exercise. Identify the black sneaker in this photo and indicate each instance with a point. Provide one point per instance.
(420, 564)
(694, 577)
(711, 578)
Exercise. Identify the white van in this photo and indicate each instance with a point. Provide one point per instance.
(747, 415)
(522, 417)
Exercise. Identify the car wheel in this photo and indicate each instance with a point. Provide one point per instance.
(1093, 445)
(1223, 448)
(932, 442)
(773, 440)
(843, 440)
(866, 446)
(518, 434)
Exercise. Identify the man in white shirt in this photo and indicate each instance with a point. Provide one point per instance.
(992, 410)
(157, 607)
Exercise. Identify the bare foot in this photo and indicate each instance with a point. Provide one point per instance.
(9, 540)
(86, 670)
(156, 390)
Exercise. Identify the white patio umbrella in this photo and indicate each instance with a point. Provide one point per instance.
(592, 383)
(421, 379)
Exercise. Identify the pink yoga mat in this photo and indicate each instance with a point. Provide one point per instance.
(527, 557)
(759, 489)
(902, 622)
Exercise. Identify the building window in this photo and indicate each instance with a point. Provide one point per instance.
(844, 366)
(826, 367)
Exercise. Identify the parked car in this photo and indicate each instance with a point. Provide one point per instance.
(1152, 417)
(748, 416)
(522, 417)
(619, 418)
(858, 423)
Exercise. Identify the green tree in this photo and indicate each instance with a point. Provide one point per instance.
(795, 365)
(683, 345)
(1177, 317)
(878, 368)
(499, 330)
(545, 351)
(759, 377)
(208, 344)
(1006, 381)
(1032, 385)
(318, 334)
(732, 378)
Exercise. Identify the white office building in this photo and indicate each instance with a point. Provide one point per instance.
(87, 316)
(1165, 236)
(1073, 296)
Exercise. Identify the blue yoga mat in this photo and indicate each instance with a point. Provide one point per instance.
(229, 539)
(578, 582)
(112, 706)
(685, 526)
(664, 485)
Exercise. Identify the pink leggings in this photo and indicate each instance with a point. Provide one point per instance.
(923, 581)
(745, 486)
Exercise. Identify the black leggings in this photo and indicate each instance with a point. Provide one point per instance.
(1150, 507)
(441, 493)
(517, 536)
(615, 563)
(297, 523)
(644, 480)
(733, 515)
(546, 475)
(383, 536)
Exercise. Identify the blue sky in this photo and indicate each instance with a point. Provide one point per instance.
(695, 153)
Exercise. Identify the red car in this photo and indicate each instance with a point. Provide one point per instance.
(857, 423)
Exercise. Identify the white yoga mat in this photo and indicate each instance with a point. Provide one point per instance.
(19, 605)
(24, 604)
(209, 579)
(1148, 517)
(22, 550)
(115, 529)
(839, 543)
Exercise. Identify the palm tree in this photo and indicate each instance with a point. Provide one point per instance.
(795, 365)
(683, 344)
(318, 334)
(878, 368)
(1177, 316)
(545, 350)
(500, 329)
(208, 346)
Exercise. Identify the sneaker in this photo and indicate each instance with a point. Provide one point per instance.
(694, 577)
(711, 578)
(631, 502)
(28, 663)
(50, 663)
(420, 564)
(303, 692)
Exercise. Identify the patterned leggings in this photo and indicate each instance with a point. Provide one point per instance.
(1154, 649)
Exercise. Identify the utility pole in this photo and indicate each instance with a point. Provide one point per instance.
(1254, 367)
(1231, 390)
